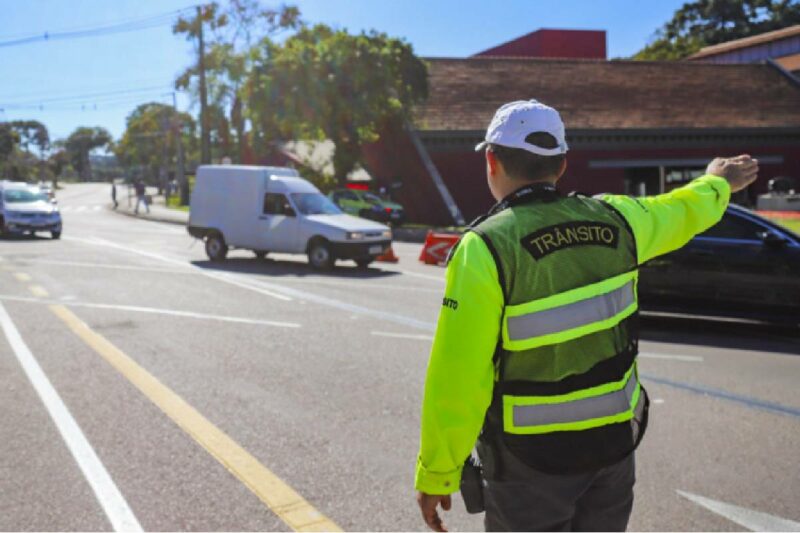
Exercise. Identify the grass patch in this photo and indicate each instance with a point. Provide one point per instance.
(174, 202)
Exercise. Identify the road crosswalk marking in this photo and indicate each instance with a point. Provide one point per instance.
(80, 208)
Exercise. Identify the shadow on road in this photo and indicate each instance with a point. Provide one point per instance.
(277, 268)
(18, 237)
(723, 334)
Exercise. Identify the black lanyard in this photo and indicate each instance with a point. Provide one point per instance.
(524, 194)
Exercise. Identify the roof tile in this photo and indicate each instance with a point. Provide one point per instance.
(592, 94)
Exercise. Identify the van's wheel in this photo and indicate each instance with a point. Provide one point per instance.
(55, 234)
(216, 249)
(260, 254)
(364, 262)
(319, 255)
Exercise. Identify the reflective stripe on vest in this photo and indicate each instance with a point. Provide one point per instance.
(585, 409)
(570, 314)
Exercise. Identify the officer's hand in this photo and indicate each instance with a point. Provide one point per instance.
(740, 171)
(427, 504)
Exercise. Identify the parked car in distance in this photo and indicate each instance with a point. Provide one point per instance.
(743, 267)
(369, 205)
(272, 209)
(24, 208)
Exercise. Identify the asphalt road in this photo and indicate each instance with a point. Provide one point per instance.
(260, 395)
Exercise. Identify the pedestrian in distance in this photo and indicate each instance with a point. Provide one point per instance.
(141, 196)
(535, 351)
(114, 194)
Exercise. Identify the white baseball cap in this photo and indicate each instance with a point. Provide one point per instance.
(516, 120)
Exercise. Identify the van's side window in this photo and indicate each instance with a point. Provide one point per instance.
(274, 204)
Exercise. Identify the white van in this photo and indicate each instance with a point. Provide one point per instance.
(273, 209)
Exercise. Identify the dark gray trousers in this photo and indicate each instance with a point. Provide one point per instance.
(528, 500)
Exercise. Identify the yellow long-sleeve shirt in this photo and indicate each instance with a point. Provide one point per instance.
(460, 379)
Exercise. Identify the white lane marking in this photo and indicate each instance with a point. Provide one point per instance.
(108, 265)
(154, 310)
(345, 306)
(747, 518)
(214, 275)
(278, 290)
(364, 285)
(97, 208)
(685, 316)
(685, 358)
(402, 335)
(658, 400)
(80, 208)
(188, 270)
(106, 492)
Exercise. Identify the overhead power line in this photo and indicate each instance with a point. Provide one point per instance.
(107, 29)
(37, 102)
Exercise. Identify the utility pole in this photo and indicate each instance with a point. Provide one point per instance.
(182, 183)
(205, 135)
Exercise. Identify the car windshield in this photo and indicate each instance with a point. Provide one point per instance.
(371, 198)
(23, 195)
(314, 203)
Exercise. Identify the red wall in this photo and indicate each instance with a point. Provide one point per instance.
(465, 172)
(577, 44)
(393, 158)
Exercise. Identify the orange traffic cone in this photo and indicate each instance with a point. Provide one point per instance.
(388, 256)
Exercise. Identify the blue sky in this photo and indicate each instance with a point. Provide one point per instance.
(141, 66)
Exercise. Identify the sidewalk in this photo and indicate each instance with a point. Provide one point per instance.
(158, 211)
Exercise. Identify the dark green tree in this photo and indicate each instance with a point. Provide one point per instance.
(226, 60)
(57, 162)
(9, 139)
(150, 140)
(708, 22)
(328, 84)
(80, 144)
(24, 164)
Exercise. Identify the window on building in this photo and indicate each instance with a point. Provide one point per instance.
(681, 175)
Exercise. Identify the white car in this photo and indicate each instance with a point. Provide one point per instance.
(272, 209)
(26, 209)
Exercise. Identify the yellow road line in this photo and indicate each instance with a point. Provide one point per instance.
(290, 507)
(22, 276)
(38, 291)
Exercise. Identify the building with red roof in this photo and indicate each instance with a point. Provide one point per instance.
(633, 127)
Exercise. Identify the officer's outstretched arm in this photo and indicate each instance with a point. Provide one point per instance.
(460, 379)
(666, 222)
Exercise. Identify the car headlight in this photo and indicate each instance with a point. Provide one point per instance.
(355, 235)
(387, 234)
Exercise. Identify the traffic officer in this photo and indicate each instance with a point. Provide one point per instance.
(535, 348)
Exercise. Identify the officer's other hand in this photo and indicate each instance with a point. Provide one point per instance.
(427, 504)
(740, 171)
